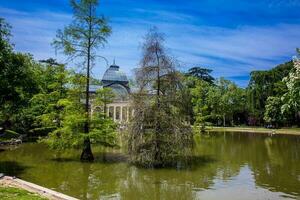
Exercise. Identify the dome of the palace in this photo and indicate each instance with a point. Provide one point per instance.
(117, 80)
(113, 73)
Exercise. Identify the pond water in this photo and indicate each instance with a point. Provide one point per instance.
(230, 166)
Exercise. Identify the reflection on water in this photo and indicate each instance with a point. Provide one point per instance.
(229, 166)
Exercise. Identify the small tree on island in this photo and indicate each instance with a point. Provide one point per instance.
(81, 39)
(159, 135)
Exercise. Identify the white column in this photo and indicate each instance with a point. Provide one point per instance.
(121, 113)
(115, 113)
(127, 113)
(107, 111)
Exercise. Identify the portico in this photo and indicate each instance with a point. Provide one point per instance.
(119, 110)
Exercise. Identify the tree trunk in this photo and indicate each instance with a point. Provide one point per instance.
(87, 154)
(224, 120)
(157, 156)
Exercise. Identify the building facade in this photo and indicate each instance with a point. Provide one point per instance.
(119, 110)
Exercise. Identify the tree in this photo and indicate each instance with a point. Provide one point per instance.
(18, 82)
(202, 74)
(82, 38)
(232, 100)
(71, 132)
(222, 102)
(264, 84)
(44, 106)
(200, 103)
(273, 113)
(103, 97)
(159, 136)
(291, 98)
(5, 34)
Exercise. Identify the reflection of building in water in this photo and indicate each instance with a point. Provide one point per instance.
(117, 80)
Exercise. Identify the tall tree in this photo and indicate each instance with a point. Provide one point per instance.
(200, 103)
(158, 133)
(44, 106)
(292, 97)
(82, 38)
(272, 114)
(5, 34)
(202, 74)
(264, 84)
(18, 82)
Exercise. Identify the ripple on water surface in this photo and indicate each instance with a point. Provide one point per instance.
(227, 166)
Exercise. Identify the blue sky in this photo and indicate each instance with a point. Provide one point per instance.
(232, 37)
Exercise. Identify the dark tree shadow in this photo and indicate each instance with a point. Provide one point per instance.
(201, 161)
(183, 163)
(12, 168)
(109, 158)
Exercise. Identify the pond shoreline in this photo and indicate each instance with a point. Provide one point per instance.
(8, 181)
(259, 130)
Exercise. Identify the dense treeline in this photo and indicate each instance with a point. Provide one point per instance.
(45, 99)
(265, 84)
(264, 102)
(30, 92)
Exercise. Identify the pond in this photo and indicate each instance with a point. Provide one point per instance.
(230, 166)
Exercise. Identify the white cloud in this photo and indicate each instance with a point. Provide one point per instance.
(229, 52)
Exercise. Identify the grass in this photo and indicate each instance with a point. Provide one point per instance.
(11, 193)
(284, 131)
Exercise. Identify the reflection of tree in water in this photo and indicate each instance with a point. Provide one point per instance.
(275, 162)
(277, 165)
(173, 184)
(12, 168)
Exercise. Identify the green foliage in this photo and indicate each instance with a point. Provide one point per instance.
(200, 101)
(201, 74)
(5, 34)
(85, 34)
(292, 96)
(103, 97)
(82, 38)
(273, 114)
(264, 84)
(70, 133)
(159, 135)
(217, 103)
(18, 82)
(44, 107)
(274, 94)
(232, 99)
(184, 96)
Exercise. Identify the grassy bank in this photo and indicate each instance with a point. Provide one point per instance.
(11, 193)
(286, 131)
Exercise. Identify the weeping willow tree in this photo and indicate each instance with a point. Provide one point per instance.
(159, 135)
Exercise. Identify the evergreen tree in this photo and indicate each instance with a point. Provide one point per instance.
(202, 74)
(81, 39)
